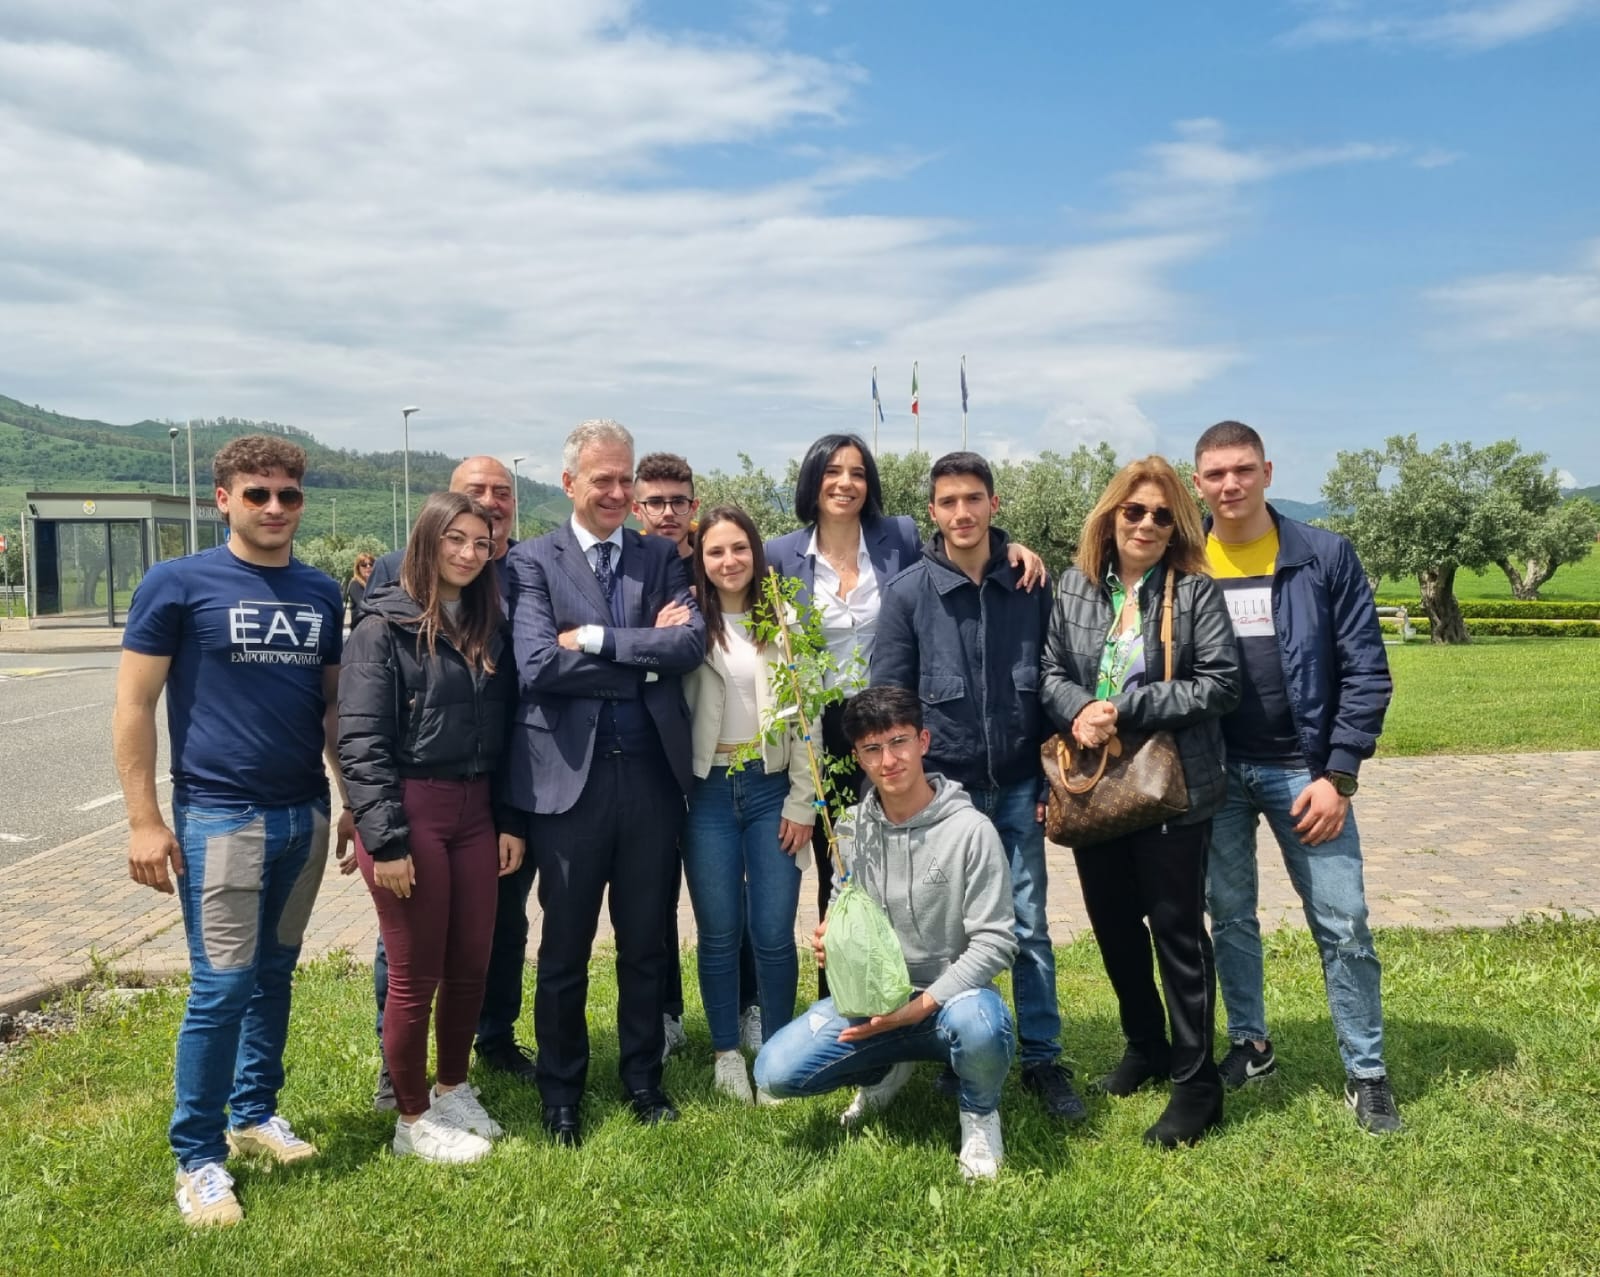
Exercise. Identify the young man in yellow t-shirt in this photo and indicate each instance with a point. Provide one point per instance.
(1316, 685)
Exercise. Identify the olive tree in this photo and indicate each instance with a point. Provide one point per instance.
(1564, 534)
(1430, 514)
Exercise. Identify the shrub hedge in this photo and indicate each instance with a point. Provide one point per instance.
(1490, 627)
(1506, 609)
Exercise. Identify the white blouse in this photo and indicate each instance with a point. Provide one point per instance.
(848, 625)
(741, 716)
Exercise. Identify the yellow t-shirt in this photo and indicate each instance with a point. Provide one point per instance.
(1261, 729)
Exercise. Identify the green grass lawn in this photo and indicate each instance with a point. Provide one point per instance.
(1574, 583)
(1494, 695)
(1498, 1171)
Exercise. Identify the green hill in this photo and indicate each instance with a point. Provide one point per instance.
(46, 451)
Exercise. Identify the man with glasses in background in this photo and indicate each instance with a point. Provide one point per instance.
(245, 640)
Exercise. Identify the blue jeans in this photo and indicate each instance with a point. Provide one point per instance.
(972, 1033)
(1328, 880)
(1033, 975)
(737, 874)
(250, 877)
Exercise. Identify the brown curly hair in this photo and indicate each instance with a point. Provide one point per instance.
(257, 454)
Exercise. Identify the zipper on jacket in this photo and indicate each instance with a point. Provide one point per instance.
(983, 685)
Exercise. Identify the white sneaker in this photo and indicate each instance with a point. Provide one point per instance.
(765, 1099)
(432, 1139)
(730, 1077)
(205, 1196)
(982, 1148)
(461, 1108)
(274, 1138)
(750, 1030)
(674, 1038)
(871, 1098)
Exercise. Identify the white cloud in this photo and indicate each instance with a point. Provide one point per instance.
(1467, 25)
(1436, 157)
(1566, 479)
(319, 214)
(1198, 176)
(1529, 307)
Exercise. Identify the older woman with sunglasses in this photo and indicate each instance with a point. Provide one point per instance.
(1101, 673)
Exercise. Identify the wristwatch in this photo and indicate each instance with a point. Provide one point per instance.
(1344, 782)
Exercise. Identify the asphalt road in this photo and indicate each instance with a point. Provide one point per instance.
(57, 781)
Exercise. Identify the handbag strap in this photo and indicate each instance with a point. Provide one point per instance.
(1112, 748)
(1166, 619)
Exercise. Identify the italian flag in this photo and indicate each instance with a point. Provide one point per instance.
(915, 410)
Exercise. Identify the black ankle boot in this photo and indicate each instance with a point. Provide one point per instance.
(1195, 1107)
(1140, 1064)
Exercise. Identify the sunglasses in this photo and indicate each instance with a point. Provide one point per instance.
(1134, 514)
(260, 498)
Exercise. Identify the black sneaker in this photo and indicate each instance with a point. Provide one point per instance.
(1052, 1083)
(1373, 1103)
(1245, 1063)
(383, 1097)
(507, 1055)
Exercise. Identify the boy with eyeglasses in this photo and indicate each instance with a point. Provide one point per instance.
(245, 641)
(1316, 686)
(936, 867)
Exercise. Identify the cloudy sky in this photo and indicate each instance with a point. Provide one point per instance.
(1334, 219)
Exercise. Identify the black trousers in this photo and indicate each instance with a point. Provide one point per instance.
(502, 988)
(848, 786)
(1157, 873)
(620, 835)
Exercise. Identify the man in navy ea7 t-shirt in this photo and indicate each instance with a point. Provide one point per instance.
(245, 641)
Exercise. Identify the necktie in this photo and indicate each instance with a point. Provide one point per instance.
(603, 572)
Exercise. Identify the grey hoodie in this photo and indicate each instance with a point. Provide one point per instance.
(943, 880)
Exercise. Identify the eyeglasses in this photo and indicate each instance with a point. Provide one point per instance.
(659, 505)
(260, 498)
(1134, 514)
(459, 541)
(896, 745)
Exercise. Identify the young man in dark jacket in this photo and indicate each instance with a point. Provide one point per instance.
(957, 629)
(1316, 685)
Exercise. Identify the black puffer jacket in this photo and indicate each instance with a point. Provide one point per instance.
(404, 714)
(1205, 672)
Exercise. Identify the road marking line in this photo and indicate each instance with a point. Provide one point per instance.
(114, 798)
(51, 713)
(19, 838)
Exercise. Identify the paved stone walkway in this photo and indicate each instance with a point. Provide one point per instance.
(1449, 841)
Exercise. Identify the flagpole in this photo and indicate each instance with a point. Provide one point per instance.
(875, 410)
(963, 403)
(916, 411)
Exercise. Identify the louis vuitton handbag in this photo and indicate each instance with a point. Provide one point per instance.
(1131, 782)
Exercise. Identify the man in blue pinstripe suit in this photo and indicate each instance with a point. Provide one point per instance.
(604, 626)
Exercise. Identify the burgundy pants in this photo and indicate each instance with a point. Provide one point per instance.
(438, 938)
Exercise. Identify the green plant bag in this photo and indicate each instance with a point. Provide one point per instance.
(866, 970)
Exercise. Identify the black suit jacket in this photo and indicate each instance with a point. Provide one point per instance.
(553, 589)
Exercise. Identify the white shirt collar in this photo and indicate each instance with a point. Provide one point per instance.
(862, 557)
(587, 539)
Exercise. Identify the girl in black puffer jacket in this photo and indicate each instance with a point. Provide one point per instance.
(426, 691)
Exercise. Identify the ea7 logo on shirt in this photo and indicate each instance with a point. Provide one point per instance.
(1251, 609)
(271, 632)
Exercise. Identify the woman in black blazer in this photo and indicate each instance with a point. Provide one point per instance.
(845, 554)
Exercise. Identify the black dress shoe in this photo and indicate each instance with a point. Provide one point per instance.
(507, 1055)
(561, 1120)
(651, 1106)
(1194, 1109)
(1139, 1065)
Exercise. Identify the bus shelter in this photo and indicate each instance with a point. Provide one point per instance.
(88, 550)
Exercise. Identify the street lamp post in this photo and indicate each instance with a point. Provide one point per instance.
(394, 502)
(194, 508)
(335, 501)
(405, 418)
(172, 440)
(516, 496)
